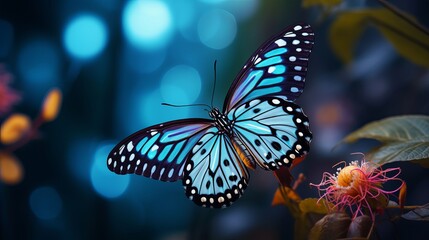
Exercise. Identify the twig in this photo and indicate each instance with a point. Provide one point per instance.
(405, 17)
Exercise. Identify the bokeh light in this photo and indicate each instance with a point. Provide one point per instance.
(38, 65)
(184, 12)
(241, 9)
(151, 112)
(46, 203)
(143, 61)
(181, 85)
(212, 1)
(217, 28)
(11, 171)
(85, 36)
(147, 24)
(105, 182)
(6, 38)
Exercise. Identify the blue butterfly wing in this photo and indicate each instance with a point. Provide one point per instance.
(274, 131)
(158, 152)
(277, 69)
(214, 175)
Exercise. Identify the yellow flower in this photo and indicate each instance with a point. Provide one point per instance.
(14, 128)
(51, 105)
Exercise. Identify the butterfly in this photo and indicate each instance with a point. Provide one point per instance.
(260, 125)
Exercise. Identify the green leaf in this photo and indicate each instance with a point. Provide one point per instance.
(325, 3)
(403, 138)
(311, 205)
(418, 214)
(410, 42)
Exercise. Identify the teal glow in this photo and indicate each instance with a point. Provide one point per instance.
(241, 9)
(217, 29)
(46, 203)
(38, 66)
(269, 61)
(276, 51)
(105, 182)
(184, 13)
(142, 61)
(181, 85)
(147, 24)
(149, 111)
(85, 36)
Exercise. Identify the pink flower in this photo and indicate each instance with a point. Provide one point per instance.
(358, 187)
(8, 96)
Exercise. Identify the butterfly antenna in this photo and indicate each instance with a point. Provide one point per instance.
(214, 83)
(185, 105)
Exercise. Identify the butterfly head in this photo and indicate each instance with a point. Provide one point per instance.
(221, 121)
(215, 113)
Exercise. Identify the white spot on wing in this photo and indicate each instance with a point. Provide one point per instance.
(121, 149)
(275, 101)
(154, 148)
(295, 42)
(280, 42)
(130, 146)
(292, 58)
(271, 69)
(170, 173)
(297, 28)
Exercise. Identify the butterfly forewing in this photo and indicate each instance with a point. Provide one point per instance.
(158, 152)
(277, 69)
(275, 131)
(214, 175)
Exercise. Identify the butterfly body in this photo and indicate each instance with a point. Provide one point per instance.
(258, 126)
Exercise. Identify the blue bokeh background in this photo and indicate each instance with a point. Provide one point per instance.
(117, 61)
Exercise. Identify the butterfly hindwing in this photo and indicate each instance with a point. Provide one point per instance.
(158, 152)
(277, 69)
(214, 175)
(275, 131)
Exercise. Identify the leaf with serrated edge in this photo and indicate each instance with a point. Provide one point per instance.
(403, 138)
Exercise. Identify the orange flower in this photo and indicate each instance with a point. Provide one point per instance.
(14, 128)
(358, 186)
(51, 105)
(11, 171)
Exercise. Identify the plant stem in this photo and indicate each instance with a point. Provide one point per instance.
(404, 16)
(405, 207)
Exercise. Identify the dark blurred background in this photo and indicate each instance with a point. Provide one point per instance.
(117, 61)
